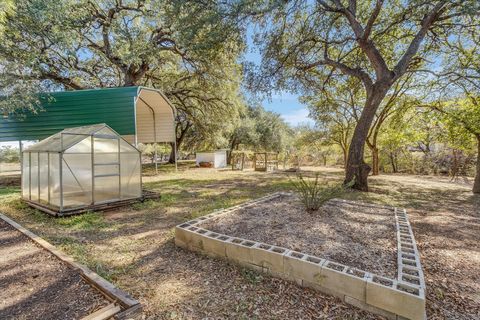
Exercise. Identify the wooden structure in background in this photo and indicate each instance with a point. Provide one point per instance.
(265, 161)
(238, 160)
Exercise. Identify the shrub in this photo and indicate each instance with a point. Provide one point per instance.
(313, 193)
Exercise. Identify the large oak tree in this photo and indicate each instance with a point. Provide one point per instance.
(188, 49)
(376, 42)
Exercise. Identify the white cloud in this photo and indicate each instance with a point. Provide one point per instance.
(297, 117)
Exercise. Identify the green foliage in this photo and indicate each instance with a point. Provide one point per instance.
(252, 276)
(9, 154)
(259, 130)
(314, 193)
(187, 49)
(6, 7)
(85, 221)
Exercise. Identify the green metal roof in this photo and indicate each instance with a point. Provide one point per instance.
(59, 110)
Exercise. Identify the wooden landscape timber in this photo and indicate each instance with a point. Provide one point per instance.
(123, 306)
(146, 195)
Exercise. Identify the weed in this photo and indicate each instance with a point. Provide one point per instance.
(147, 204)
(251, 276)
(86, 221)
(314, 194)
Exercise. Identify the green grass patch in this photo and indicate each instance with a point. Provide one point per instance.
(9, 191)
(252, 276)
(84, 222)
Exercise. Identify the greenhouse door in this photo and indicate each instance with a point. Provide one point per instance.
(106, 168)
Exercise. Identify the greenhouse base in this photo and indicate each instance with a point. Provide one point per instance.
(146, 195)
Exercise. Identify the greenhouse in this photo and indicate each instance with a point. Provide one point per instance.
(79, 169)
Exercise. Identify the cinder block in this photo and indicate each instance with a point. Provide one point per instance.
(323, 289)
(364, 306)
(347, 281)
(196, 241)
(180, 243)
(235, 251)
(301, 266)
(401, 299)
(183, 235)
(269, 257)
(213, 246)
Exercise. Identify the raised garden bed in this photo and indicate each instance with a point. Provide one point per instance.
(340, 232)
(365, 254)
(39, 282)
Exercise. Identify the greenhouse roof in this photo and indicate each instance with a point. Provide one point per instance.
(127, 110)
(67, 138)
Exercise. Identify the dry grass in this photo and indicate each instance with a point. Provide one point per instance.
(133, 247)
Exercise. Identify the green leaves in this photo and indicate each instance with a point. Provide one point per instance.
(314, 193)
(7, 7)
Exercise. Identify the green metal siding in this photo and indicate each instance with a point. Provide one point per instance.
(113, 106)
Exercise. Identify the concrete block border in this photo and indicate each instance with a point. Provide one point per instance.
(401, 298)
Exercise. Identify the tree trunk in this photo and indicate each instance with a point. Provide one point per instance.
(357, 169)
(375, 162)
(179, 139)
(233, 145)
(476, 184)
(392, 162)
(171, 158)
(345, 157)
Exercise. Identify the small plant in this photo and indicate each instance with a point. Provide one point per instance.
(314, 193)
(252, 276)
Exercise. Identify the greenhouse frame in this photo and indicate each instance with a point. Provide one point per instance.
(80, 169)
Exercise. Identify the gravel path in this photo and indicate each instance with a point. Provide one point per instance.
(36, 285)
(357, 236)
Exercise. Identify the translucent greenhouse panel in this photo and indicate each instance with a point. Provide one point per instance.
(77, 180)
(43, 177)
(130, 175)
(127, 147)
(25, 175)
(106, 169)
(106, 189)
(34, 176)
(54, 179)
(84, 146)
(70, 140)
(105, 145)
(105, 151)
(106, 131)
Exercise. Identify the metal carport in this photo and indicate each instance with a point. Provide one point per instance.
(138, 114)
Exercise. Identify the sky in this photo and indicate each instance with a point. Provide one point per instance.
(284, 103)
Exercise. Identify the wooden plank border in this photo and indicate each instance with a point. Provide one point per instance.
(129, 305)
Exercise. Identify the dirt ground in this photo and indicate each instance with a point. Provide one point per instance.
(356, 236)
(133, 247)
(36, 285)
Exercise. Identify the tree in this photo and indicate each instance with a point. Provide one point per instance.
(376, 43)
(458, 101)
(187, 49)
(336, 111)
(9, 154)
(259, 130)
(462, 119)
(310, 141)
(6, 7)
(395, 102)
